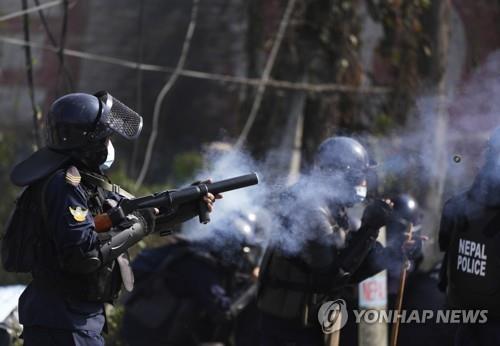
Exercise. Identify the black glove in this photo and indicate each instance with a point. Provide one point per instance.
(413, 249)
(376, 214)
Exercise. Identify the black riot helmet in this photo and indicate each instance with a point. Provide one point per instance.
(79, 120)
(235, 240)
(78, 126)
(405, 209)
(405, 215)
(346, 158)
(342, 153)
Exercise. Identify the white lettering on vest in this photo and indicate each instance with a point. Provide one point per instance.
(471, 257)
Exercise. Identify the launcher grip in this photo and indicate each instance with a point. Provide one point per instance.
(204, 214)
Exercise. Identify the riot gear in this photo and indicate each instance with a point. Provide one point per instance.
(325, 254)
(77, 120)
(110, 249)
(345, 162)
(405, 209)
(376, 214)
(234, 239)
(185, 289)
(124, 239)
(248, 226)
(404, 218)
(342, 154)
(470, 237)
(75, 268)
(78, 128)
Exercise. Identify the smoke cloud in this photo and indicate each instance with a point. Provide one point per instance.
(407, 158)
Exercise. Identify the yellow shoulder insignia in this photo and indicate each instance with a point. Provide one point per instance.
(73, 177)
(79, 213)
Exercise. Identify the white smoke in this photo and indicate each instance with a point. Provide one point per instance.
(269, 202)
(406, 156)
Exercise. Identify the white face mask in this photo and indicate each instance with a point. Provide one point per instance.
(110, 158)
(361, 192)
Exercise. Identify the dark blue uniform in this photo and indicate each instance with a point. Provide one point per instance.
(293, 287)
(473, 217)
(180, 297)
(74, 272)
(49, 311)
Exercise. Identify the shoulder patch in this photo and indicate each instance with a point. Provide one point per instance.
(72, 176)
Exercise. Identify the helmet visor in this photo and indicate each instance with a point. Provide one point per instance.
(120, 118)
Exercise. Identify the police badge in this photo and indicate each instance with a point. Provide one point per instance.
(79, 213)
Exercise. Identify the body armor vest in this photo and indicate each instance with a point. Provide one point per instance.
(289, 287)
(473, 258)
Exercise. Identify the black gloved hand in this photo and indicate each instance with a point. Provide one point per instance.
(412, 248)
(376, 214)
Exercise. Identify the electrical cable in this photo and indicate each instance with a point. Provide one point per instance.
(29, 10)
(279, 84)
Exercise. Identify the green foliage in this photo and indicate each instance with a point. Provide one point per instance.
(383, 124)
(114, 315)
(185, 166)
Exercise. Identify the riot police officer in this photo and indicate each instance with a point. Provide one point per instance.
(297, 278)
(186, 289)
(75, 270)
(470, 239)
(405, 218)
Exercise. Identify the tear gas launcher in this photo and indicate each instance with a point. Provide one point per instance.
(170, 199)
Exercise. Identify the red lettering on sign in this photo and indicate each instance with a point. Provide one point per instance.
(373, 290)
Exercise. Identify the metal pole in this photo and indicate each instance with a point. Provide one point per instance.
(401, 290)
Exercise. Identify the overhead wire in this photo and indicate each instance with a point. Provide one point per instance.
(280, 84)
(27, 10)
(260, 83)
